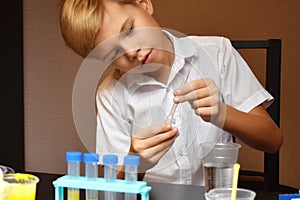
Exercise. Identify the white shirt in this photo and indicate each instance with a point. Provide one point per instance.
(137, 101)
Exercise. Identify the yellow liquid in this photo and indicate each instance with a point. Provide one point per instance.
(73, 194)
(22, 192)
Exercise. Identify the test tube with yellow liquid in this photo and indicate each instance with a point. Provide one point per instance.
(73, 158)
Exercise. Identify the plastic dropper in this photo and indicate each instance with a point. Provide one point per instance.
(91, 172)
(170, 118)
(73, 158)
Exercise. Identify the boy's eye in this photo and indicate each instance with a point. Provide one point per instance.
(130, 30)
(115, 54)
(112, 55)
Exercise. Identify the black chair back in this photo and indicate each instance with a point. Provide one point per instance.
(273, 70)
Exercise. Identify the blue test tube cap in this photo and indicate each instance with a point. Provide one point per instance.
(73, 156)
(132, 160)
(90, 157)
(289, 196)
(110, 159)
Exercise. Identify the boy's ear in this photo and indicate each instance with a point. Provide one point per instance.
(147, 5)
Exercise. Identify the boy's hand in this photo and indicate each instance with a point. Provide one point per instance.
(204, 97)
(152, 143)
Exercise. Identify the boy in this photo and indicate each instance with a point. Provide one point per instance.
(215, 92)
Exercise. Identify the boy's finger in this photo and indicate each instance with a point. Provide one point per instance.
(193, 95)
(160, 139)
(161, 147)
(152, 130)
(189, 87)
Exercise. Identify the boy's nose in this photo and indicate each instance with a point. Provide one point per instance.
(132, 54)
(130, 48)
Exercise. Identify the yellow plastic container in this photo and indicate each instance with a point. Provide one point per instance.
(4, 191)
(22, 186)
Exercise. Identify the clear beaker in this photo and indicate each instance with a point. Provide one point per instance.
(218, 161)
(225, 194)
(22, 186)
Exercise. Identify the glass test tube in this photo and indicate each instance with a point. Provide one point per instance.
(110, 164)
(91, 172)
(131, 163)
(73, 158)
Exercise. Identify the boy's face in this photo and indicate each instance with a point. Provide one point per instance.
(130, 37)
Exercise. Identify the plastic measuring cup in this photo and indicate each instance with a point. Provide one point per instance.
(22, 186)
(225, 194)
(218, 161)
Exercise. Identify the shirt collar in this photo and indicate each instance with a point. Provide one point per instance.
(184, 47)
(184, 51)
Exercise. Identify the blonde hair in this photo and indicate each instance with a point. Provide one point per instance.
(80, 21)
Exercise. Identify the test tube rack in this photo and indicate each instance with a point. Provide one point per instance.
(118, 185)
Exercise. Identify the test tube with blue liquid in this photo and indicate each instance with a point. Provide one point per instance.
(91, 172)
(110, 163)
(131, 163)
(73, 158)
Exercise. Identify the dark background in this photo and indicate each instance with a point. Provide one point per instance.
(12, 120)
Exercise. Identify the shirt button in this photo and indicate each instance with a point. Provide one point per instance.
(180, 152)
(173, 121)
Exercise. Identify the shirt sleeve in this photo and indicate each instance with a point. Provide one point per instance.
(113, 130)
(241, 89)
